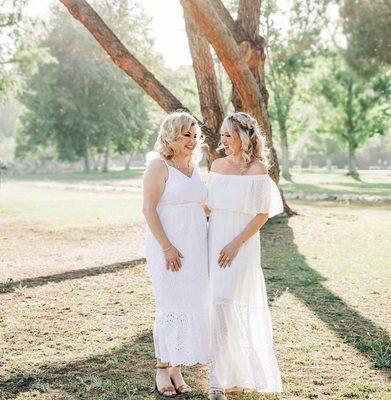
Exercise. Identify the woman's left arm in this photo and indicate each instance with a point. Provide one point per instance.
(231, 250)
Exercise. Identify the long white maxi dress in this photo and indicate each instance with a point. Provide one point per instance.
(182, 320)
(242, 338)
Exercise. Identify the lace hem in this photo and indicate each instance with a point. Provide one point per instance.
(182, 337)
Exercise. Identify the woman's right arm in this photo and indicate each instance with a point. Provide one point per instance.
(153, 187)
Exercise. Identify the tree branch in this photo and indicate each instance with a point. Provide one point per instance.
(249, 15)
(126, 61)
(210, 101)
(226, 49)
(120, 55)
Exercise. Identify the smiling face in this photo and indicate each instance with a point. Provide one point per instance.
(187, 141)
(230, 140)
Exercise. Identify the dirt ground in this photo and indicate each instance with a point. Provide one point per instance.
(77, 309)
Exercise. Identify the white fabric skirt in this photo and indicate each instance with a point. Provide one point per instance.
(242, 337)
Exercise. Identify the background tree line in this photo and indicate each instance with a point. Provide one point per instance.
(325, 89)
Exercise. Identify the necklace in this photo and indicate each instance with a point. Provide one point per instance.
(182, 168)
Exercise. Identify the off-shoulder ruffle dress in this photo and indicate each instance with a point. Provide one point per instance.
(242, 338)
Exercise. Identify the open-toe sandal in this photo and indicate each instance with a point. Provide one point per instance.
(217, 394)
(165, 389)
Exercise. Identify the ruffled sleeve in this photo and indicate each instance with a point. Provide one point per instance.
(271, 201)
(248, 194)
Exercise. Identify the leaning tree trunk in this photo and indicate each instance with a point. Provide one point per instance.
(222, 34)
(253, 45)
(243, 63)
(83, 12)
(208, 93)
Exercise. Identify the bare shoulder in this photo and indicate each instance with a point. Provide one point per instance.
(156, 167)
(217, 164)
(258, 168)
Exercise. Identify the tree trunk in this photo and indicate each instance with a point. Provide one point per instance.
(127, 159)
(253, 46)
(231, 57)
(106, 158)
(223, 34)
(208, 93)
(284, 153)
(95, 162)
(352, 167)
(86, 159)
(126, 61)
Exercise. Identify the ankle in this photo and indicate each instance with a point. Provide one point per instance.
(160, 365)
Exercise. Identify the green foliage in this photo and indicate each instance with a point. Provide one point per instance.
(367, 26)
(79, 103)
(291, 50)
(18, 44)
(357, 108)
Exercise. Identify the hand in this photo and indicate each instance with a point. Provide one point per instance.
(229, 252)
(173, 259)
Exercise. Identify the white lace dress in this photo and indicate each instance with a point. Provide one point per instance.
(182, 321)
(242, 338)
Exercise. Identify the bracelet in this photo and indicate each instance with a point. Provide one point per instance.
(168, 248)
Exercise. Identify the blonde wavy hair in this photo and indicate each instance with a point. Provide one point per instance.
(173, 125)
(253, 142)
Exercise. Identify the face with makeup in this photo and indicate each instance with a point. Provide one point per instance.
(187, 141)
(230, 141)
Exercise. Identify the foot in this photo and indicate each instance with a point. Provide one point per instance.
(177, 379)
(217, 394)
(163, 381)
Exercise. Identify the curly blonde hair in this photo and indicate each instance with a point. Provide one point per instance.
(253, 142)
(173, 125)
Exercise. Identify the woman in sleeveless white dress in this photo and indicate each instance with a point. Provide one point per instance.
(241, 197)
(177, 255)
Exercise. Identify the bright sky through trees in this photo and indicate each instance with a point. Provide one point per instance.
(168, 27)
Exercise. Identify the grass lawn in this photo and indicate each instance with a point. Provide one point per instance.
(67, 208)
(303, 181)
(336, 182)
(132, 173)
(77, 312)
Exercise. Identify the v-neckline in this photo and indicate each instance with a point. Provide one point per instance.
(186, 176)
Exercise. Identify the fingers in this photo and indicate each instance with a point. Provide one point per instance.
(174, 264)
(180, 254)
(225, 260)
(178, 264)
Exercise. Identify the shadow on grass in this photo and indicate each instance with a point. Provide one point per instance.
(125, 373)
(11, 285)
(290, 271)
(115, 375)
(352, 188)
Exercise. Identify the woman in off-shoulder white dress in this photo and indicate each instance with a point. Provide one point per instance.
(241, 197)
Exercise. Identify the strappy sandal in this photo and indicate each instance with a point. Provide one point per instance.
(166, 388)
(183, 389)
(217, 394)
